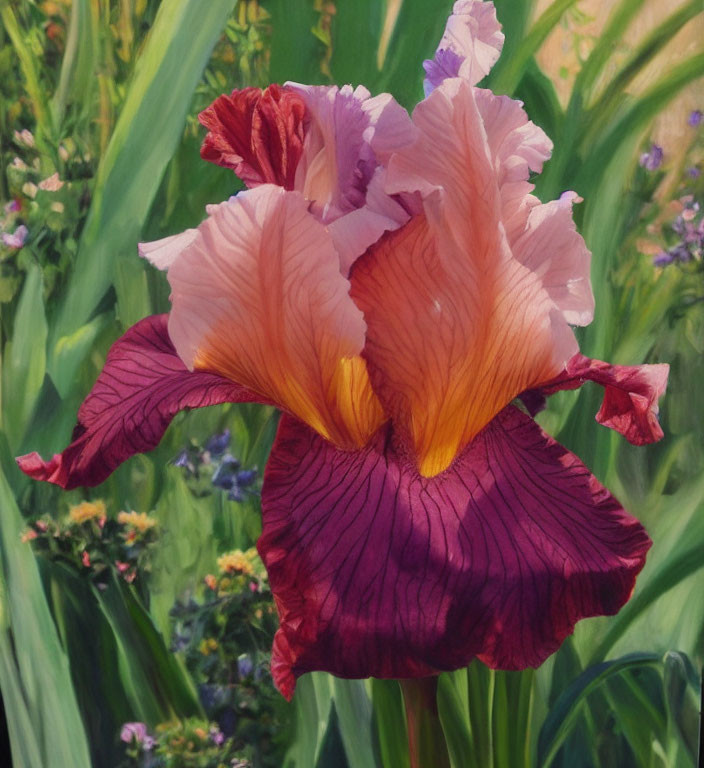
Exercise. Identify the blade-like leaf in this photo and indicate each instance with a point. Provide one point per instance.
(77, 76)
(564, 714)
(390, 723)
(511, 73)
(354, 713)
(43, 717)
(147, 131)
(24, 361)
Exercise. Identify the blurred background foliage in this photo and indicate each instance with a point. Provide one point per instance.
(162, 619)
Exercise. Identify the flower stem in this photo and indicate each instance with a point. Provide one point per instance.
(426, 740)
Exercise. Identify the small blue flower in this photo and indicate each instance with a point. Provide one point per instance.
(245, 666)
(218, 444)
(224, 476)
(246, 477)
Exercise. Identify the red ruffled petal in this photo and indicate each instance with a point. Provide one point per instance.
(631, 394)
(142, 387)
(259, 134)
(377, 571)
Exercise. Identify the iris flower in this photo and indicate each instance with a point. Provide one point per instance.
(392, 285)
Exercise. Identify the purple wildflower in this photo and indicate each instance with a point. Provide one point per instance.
(693, 172)
(217, 736)
(245, 666)
(13, 206)
(217, 445)
(696, 118)
(663, 259)
(17, 239)
(652, 160)
(136, 732)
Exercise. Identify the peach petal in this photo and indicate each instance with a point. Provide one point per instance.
(258, 297)
(456, 322)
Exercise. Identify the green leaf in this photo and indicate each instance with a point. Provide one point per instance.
(30, 70)
(611, 97)
(78, 65)
(296, 54)
(24, 362)
(517, 62)
(415, 37)
(332, 752)
(565, 711)
(312, 702)
(682, 562)
(155, 681)
(453, 707)
(356, 30)
(639, 115)
(44, 722)
(145, 137)
(354, 713)
(390, 723)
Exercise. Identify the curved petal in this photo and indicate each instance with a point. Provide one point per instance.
(142, 387)
(354, 232)
(348, 135)
(470, 46)
(258, 297)
(259, 134)
(551, 247)
(482, 313)
(631, 394)
(377, 571)
(162, 253)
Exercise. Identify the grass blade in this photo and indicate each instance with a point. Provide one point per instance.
(564, 714)
(46, 725)
(511, 73)
(145, 137)
(25, 359)
(390, 723)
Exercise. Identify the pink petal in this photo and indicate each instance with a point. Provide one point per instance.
(258, 297)
(142, 387)
(162, 253)
(631, 394)
(542, 237)
(259, 134)
(470, 46)
(348, 136)
(455, 321)
(379, 572)
(551, 247)
(355, 231)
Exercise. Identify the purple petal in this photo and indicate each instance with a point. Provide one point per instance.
(17, 239)
(470, 46)
(143, 385)
(378, 571)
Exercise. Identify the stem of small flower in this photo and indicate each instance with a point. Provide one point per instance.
(426, 740)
